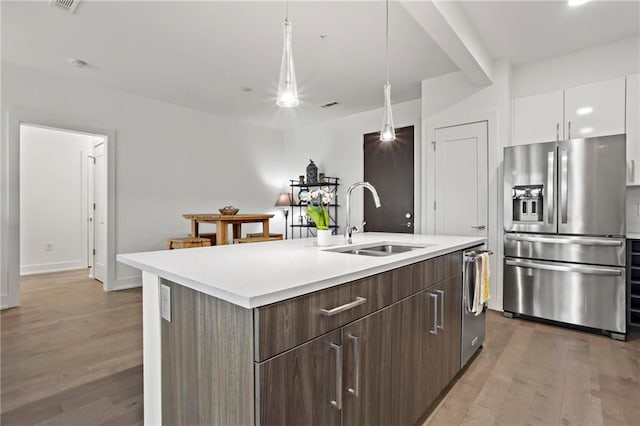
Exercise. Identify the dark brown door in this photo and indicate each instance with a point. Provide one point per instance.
(298, 386)
(388, 166)
(368, 370)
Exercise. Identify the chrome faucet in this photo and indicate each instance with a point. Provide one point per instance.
(376, 199)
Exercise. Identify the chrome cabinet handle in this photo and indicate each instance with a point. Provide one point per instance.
(569, 128)
(603, 242)
(633, 171)
(434, 297)
(338, 401)
(557, 132)
(441, 293)
(355, 390)
(551, 169)
(564, 178)
(589, 270)
(479, 227)
(331, 312)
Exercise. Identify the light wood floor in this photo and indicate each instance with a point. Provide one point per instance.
(72, 355)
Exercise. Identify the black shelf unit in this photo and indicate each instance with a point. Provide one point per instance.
(633, 284)
(299, 209)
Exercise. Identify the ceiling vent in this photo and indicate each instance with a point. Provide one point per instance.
(68, 5)
(330, 104)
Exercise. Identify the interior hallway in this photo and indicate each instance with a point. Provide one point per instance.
(72, 355)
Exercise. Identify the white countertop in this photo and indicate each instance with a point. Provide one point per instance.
(257, 274)
(633, 236)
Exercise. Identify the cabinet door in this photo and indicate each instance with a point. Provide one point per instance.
(368, 370)
(303, 385)
(538, 118)
(413, 319)
(595, 109)
(633, 129)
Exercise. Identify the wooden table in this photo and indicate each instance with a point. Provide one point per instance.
(222, 223)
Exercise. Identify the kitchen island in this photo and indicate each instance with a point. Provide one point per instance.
(289, 333)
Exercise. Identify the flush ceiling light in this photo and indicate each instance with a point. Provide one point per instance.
(584, 110)
(577, 2)
(287, 87)
(387, 133)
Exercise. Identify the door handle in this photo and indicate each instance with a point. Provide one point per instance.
(551, 169)
(355, 390)
(338, 401)
(441, 297)
(564, 182)
(434, 298)
(331, 312)
(603, 242)
(409, 224)
(479, 227)
(588, 270)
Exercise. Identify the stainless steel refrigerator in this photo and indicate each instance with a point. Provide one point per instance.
(564, 243)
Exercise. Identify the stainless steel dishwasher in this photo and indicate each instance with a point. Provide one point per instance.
(473, 326)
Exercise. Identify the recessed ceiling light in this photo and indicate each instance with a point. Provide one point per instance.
(323, 36)
(584, 110)
(78, 63)
(577, 2)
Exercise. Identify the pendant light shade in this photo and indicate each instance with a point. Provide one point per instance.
(387, 132)
(287, 87)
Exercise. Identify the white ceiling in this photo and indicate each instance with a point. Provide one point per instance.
(199, 54)
(527, 31)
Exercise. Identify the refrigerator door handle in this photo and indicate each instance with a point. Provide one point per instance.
(582, 269)
(551, 167)
(564, 182)
(605, 242)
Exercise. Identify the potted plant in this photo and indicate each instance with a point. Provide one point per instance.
(316, 209)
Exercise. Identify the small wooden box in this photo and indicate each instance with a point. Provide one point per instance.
(180, 243)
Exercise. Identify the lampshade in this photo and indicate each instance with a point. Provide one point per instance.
(284, 200)
(287, 86)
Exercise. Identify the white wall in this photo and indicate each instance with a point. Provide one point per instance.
(169, 160)
(336, 146)
(585, 66)
(53, 199)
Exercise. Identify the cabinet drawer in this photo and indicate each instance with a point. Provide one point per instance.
(286, 324)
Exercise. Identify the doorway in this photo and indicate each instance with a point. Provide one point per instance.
(461, 179)
(62, 180)
(389, 167)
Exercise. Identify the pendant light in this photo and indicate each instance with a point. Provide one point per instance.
(388, 132)
(287, 87)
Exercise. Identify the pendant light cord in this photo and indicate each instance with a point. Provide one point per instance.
(387, 42)
(287, 12)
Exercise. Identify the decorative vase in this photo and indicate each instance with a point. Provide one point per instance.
(324, 237)
(312, 173)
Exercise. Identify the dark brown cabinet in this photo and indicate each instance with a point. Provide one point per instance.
(376, 351)
(299, 386)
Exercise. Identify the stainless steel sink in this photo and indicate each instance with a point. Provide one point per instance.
(378, 249)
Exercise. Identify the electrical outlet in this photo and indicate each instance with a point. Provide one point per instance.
(48, 246)
(165, 302)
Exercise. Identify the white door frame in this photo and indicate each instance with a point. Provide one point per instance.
(10, 184)
(495, 220)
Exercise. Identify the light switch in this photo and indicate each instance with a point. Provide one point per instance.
(165, 302)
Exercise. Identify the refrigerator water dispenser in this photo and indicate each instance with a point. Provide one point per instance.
(528, 203)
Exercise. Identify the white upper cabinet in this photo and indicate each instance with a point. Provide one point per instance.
(596, 109)
(538, 118)
(633, 129)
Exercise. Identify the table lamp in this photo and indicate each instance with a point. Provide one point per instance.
(284, 200)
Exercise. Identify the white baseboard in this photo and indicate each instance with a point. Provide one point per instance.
(43, 268)
(126, 283)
